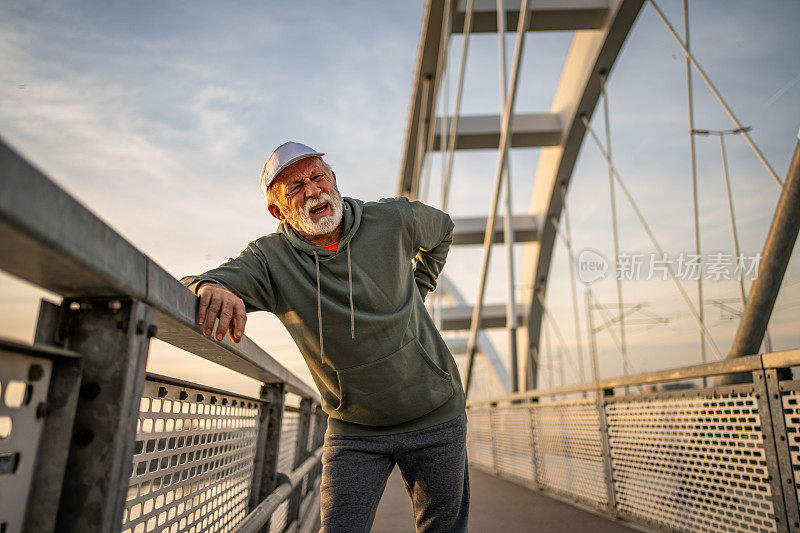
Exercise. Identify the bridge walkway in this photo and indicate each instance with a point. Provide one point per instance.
(496, 505)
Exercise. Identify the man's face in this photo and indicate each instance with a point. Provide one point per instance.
(308, 197)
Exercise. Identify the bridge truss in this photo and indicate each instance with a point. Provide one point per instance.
(600, 29)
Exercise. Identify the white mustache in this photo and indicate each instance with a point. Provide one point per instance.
(323, 199)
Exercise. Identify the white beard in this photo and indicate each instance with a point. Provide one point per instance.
(301, 219)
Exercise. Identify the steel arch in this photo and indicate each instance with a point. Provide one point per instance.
(601, 28)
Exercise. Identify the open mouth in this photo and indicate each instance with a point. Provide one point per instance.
(319, 209)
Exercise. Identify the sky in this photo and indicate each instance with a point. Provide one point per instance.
(158, 116)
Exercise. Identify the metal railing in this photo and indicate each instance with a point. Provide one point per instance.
(721, 458)
(88, 440)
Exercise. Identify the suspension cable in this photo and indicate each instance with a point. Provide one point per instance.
(590, 330)
(574, 274)
(505, 128)
(609, 320)
(436, 300)
(451, 148)
(559, 336)
(718, 96)
(549, 354)
(653, 239)
(508, 223)
(695, 201)
(624, 346)
(566, 239)
(734, 232)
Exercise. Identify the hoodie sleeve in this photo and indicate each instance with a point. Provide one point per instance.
(433, 235)
(247, 277)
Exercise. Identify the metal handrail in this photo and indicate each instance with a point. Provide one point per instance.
(749, 363)
(259, 516)
(50, 239)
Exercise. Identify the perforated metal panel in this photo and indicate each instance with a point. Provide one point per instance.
(791, 409)
(513, 442)
(20, 431)
(479, 437)
(193, 461)
(568, 445)
(691, 461)
(286, 450)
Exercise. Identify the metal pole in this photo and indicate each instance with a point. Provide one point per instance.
(556, 330)
(695, 206)
(549, 353)
(653, 240)
(775, 258)
(718, 96)
(457, 107)
(508, 225)
(524, 18)
(742, 293)
(420, 153)
(623, 345)
(573, 283)
(443, 138)
(727, 179)
(592, 341)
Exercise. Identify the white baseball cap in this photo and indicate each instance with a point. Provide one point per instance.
(283, 156)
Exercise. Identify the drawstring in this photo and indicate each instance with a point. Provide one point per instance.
(319, 310)
(319, 302)
(350, 282)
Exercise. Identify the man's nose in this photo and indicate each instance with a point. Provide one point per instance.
(312, 190)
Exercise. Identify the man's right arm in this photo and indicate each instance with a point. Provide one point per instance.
(231, 290)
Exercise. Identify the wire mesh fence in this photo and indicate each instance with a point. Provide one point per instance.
(722, 458)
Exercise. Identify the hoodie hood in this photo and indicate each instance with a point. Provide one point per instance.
(351, 220)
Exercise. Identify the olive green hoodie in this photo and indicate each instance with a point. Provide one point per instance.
(358, 315)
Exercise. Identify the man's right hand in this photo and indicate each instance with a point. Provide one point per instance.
(217, 301)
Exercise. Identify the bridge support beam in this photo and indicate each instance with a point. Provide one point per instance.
(775, 258)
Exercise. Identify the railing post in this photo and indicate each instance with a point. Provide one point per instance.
(113, 337)
(785, 477)
(319, 438)
(300, 455)
(492, 412)
(58, 416)
(531, 418)
(765, 407)
(265, 463)
(605, 441)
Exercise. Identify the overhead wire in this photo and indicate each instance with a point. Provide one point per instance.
(717, 95)
(652, 238)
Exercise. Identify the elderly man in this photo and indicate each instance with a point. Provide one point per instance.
(348, 279)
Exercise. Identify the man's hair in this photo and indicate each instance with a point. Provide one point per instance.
(272, 196)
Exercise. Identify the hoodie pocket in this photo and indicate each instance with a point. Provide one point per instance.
(396, 388)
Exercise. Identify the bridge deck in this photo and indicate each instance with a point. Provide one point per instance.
(495, 505)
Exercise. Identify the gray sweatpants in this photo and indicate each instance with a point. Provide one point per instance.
(432, 461)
